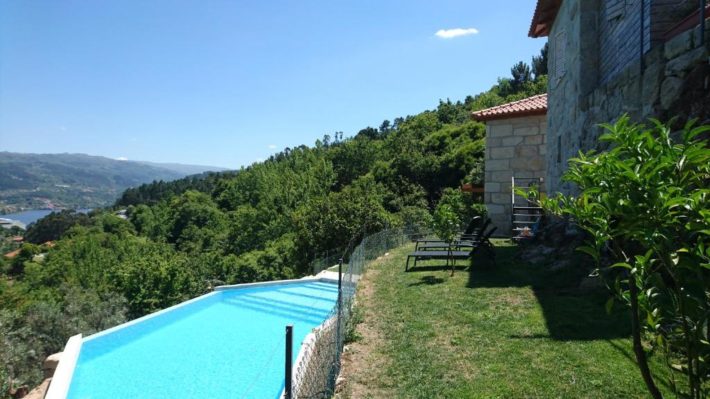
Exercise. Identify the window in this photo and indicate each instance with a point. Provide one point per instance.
(615, 9)
(558, 60)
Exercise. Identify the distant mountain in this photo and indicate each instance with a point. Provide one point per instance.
(185, 169)
(34, 181)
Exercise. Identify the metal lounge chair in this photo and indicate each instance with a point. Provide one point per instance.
(482, 242)
(470, 230)
(464, 241)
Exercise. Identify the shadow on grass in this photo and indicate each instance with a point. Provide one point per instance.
(570, 313)
(427, 280)
(461, 266)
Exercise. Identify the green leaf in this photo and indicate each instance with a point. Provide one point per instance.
(589, 251)
(622, 265)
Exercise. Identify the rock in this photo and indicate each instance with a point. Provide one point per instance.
(546, 250)
(20, 392)
(678, 45)
(682, 64)
(340, 384)
(559, 265)
(537, 259)
(571, 231)
(50, 364)
(670, 90)
(591, 283)
(39, 391)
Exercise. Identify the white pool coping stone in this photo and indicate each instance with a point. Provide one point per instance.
(59, 387)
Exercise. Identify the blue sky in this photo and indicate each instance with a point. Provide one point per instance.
(227, 83)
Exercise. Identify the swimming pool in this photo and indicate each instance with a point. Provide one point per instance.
(228, 343)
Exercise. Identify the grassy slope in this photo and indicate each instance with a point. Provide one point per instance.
(506, 331)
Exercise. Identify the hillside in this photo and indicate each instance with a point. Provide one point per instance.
(30, 181)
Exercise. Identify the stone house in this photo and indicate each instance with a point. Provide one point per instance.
(646, 58)
(515, 149)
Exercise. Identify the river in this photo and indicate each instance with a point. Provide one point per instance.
(31, 216)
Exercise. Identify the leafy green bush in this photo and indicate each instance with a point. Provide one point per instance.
(415, 219)
(462, 204)
(53, 226)
(645, 205)
(446, 225)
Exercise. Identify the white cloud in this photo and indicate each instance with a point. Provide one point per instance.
(272, 146)
(122, 159)
(456, 32)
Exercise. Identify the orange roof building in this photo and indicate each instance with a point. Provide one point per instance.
(516, 137)
(13, 254)
(535, 105)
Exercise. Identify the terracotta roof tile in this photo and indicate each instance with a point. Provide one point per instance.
(544, 17)
(535, 105)
(13, 254)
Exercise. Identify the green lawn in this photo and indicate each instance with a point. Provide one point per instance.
(508, 331)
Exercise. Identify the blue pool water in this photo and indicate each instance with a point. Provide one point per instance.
(226, 344)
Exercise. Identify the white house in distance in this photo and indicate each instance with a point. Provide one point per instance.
(515, 155)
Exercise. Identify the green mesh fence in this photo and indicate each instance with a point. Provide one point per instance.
(318, 364)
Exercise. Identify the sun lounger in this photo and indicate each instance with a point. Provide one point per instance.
(482, 242)
(466, 240)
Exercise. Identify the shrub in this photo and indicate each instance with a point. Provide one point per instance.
(446, 225)
(645, 205)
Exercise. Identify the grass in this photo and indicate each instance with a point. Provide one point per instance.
(510, 330)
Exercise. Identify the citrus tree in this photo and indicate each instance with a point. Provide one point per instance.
(645, 206)
(446, 226)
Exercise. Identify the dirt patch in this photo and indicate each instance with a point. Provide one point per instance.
(363, 360)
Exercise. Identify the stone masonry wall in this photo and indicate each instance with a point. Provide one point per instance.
(514, 147)
(672, 82)
(577, 20)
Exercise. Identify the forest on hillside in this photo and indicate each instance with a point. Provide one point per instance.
(266, 221)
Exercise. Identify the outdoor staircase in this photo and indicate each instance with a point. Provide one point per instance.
(525, 214)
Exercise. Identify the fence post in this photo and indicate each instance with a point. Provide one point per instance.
(340, 311)
(289, 359)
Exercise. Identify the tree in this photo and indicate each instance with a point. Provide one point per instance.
(385, 127)
(521, 75)
(53, 226)
(539, 62)
(645, 205)
(446, 225)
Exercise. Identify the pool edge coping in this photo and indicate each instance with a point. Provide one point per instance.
(62, 378)
(220, 288)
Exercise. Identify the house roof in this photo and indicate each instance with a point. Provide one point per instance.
(13, 254)
(544, 17)
(535, 105)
